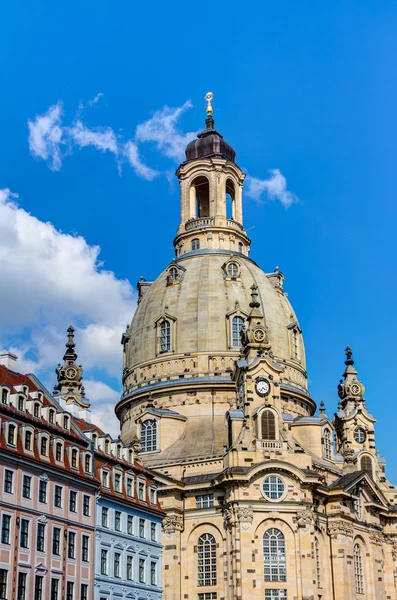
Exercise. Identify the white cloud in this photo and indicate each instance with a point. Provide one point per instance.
(132, 153)
(103, 400)
(275, 187)
(45, 136)
(162, 129)
(95, 100)
(59, 281)
(102, 138)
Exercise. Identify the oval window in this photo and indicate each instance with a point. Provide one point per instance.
(232, 270)
(360, 435)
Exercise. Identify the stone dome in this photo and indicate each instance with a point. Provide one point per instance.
(200, 303)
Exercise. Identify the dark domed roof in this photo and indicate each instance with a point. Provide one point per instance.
(209, 143)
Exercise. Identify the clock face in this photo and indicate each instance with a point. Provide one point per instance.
(263, 387)
(70, 373)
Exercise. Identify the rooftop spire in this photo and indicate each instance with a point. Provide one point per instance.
(349, 354)
(208, 97)
(70, 374)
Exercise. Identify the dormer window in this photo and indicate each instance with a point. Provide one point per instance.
(36, 410)
(130, 456)
(105, 479)
(74, 458)
(44, 446)
(149, 435)
(107, 447)
(173, 273)
(12, 430)
(4, 396)
(95, 440)
(119, 451)
(58, 452)
(28, 440)
(21, 402)
(87, 463)
(25, 390)
(232, 270)
(51, 416)
(141, 491)
(117, 482)
(66, 422)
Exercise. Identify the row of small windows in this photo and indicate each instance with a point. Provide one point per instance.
(39, 587)
(129, 524)
(129, 485)
(146, 573)
(56, 546)
(44, 446)
(27, 493)
(50, 413)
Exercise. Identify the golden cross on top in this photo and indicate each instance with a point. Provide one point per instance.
(208, 97)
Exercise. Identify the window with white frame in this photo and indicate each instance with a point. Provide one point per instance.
(205, 501)
(8, 481)
(237, 326)
(4, 396)
(358, 569)
(28, 440)
(275, 594)
(206, 557)
(327, 448)
(273, 487)
(274, 555)
(196, 244)
(141, 491)
(165, 336)
(149, 435)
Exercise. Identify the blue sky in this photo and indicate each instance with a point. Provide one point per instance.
(302, 88)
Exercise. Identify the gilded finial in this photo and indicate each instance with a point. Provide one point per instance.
(208, 97)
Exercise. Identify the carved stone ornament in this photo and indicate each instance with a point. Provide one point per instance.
(172, 526)
(44, 477)
(336, 528)
(245, 517)
(43, 519)
(304, 518)
(227, 518)
(377, 537)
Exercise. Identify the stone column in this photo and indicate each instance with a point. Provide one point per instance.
(172, 527)
(341, 533)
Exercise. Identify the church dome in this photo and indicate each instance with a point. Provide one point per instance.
(203, 303)
(209, 143)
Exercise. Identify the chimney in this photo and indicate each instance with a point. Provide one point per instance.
(9, 361)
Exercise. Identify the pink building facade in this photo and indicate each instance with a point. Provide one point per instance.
(47, 495)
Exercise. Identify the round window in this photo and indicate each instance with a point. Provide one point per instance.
(232, 270)
(360, 435)
(273, 487)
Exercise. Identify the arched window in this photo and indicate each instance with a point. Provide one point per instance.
(36, 410)
(95, 440)
(274, 555)
(107, 446)
(200, 196)
(149, 435)
(58, 451)
(232, 270)
(165, 336)
(118, 451)
(327, 449)
(230, 196)
(66, 422)
(295, 352)
(4, 396)
(240, 247)
(358, 569)
(28, 440)
(237, 325)
(206, 557)
(318, 563)
(196, 244)
(268, 425)
(173, 273)
(12, 435)
(366, 464)
(51, 415)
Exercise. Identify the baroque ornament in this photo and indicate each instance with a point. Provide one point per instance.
(172, 526)
(245, 517)
(336, 528)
